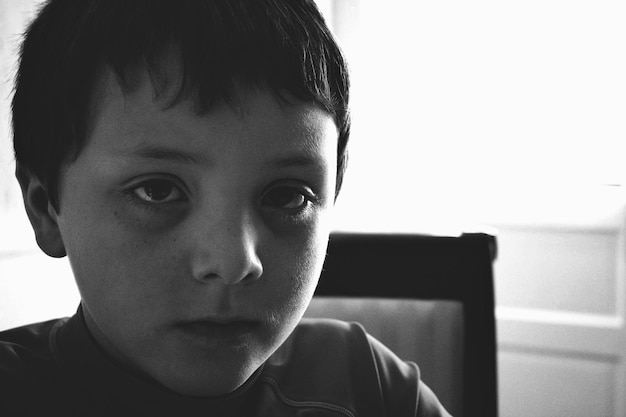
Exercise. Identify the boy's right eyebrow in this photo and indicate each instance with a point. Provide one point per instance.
(164, 153)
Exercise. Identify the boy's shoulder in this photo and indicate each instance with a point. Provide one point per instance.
(24, 346)
(27, 359)
(338, 365)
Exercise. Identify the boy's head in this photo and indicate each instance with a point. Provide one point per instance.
(277, 44)
(186, 156)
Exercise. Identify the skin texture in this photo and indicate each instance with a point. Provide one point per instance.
(174, 222)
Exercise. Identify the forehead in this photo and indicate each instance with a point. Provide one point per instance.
(123, 119)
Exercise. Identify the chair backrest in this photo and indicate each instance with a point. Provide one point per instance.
(442, 313)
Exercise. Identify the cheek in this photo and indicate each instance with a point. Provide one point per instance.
(114, 263)
(123, 284)
(297, 269)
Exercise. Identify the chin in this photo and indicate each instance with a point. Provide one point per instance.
(213, 379)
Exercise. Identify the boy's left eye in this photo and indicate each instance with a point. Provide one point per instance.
(158, 191)
(286, 197)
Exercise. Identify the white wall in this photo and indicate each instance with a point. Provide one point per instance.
(561, 322)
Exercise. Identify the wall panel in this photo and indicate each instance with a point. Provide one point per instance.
(541, 384)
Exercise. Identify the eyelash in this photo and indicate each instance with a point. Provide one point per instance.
(133, 193)
(308, 197)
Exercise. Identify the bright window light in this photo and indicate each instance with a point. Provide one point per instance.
(457, 101)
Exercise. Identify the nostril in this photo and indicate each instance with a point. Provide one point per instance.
(255, 272)
(205, 278)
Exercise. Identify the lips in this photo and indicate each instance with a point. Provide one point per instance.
(229, 332)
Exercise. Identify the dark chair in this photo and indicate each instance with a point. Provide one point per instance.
(431, 269)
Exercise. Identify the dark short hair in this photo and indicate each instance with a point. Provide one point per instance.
(281, 44)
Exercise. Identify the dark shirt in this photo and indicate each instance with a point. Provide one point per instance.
(325, 368)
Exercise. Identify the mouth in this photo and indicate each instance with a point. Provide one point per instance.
(225, 332)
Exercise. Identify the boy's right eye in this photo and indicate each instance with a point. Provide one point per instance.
(158, 191)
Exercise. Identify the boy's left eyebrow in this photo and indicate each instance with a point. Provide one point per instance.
(298, 161)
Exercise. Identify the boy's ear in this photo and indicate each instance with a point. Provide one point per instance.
(41, 213)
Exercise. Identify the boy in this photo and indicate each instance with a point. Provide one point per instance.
(185, 156)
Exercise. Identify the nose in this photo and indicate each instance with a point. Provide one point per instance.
(227, 251)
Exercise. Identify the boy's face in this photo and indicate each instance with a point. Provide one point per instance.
(197, 240)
